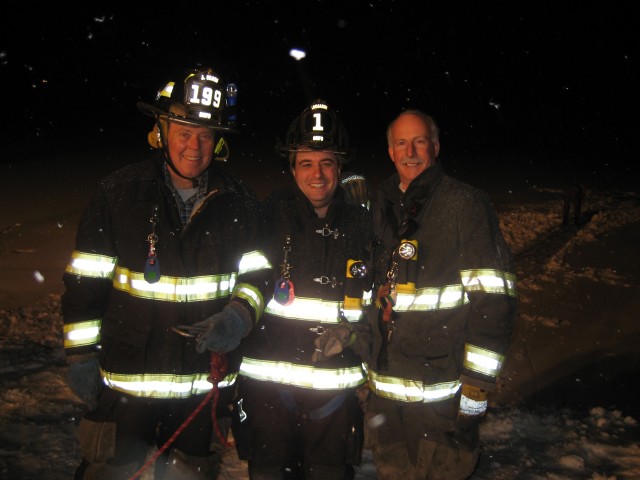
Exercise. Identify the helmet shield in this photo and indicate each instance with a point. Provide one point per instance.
(199, 100)
(316, 128)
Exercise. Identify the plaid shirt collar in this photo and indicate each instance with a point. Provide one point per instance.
(186, 207)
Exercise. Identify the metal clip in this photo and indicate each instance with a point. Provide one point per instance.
(189, 330)
(319, 329)
(326, 231)
(324, 280)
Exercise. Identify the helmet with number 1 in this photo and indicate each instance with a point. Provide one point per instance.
(199, 99)
(317, 128)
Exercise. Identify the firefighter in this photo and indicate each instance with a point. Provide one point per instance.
(164, 244)
(299, 416)
(446, 301)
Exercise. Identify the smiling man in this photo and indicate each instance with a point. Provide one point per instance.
(446, 298)
(302, 363)
(162, 244)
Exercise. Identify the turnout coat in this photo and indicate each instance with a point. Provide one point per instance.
(279, 349)
(110, 309)
(456, 295)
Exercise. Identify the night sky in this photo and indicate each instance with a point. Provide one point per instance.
(554, 82)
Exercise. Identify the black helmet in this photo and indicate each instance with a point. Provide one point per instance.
(199, 99)
(316, 128)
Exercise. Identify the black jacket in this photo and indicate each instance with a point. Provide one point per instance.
(198, 265)
(456, 302)
(318, 255)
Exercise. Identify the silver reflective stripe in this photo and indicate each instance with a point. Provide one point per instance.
(163, 385)
(489, 280)
(426, 299)
(252, 295)
(312, 310)
(253, 261)
(468, 406)
(78, 334)
(91, 265)
(406, 390)
(302, 375)
(175, 289)
(482, 360)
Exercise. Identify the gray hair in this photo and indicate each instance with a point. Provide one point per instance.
(434, 130)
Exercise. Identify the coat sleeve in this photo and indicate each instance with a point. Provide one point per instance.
(87, 280)
(488, 279)
(254, 270)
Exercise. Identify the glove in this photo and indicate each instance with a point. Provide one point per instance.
(332, 341)
(473, 402)
(85, 381)
(225, 329)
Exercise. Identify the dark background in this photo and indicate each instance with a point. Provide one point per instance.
(529, 91)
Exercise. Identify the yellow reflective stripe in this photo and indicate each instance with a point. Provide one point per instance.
(160, 385)
(406, 390)
(426, 299)
(175, 289)
(252, 295)
(91, 265)
(367, 297)
(352, 314)
(79, 334)
(482, 360)
(490, 281)
(307, 309)
(252, 261)
(302, 375)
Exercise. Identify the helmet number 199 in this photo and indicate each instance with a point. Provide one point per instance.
(209, 96)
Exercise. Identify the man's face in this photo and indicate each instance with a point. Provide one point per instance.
(191, 151)
(317, 175)
(411, 148)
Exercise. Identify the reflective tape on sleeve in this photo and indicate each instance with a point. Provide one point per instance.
(81, 334)
(252, 295)
(252, 262)
(482, 360)
(91, 265)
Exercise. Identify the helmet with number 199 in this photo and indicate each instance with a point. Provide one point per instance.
(317, 128)
(200, 98)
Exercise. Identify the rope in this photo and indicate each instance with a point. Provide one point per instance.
(218, 371)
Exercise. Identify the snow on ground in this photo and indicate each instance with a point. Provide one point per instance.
(550, 437)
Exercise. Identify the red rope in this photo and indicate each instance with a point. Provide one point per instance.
(218, 371)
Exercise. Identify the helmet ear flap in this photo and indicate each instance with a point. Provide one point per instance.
(154, 138)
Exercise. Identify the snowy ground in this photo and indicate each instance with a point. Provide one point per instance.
(566, 407)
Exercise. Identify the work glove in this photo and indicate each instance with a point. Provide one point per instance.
(332, 341)
(473, 402)
(85, 381)
(224, 330)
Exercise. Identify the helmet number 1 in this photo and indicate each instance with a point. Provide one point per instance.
(209, 96)
(318, 126)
